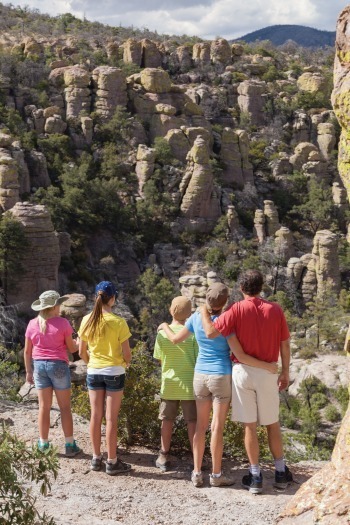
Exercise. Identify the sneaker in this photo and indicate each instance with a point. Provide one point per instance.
(72, 449)
(112, 469)
(163, 461)
(197, 479)
(283, 479)
(252, 483)
(222, 481)
(43, 447)
(96, 464)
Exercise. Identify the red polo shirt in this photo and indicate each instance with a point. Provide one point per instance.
(259, 325)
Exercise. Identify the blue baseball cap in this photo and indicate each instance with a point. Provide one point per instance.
(106, 287)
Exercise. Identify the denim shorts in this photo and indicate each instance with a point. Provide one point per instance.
(51, 373)
(103, 382)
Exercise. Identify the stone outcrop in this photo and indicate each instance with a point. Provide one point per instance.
(132, 52)
(37, 165)
(145, 165)
(201, 53)
(326, 139)
(284, 244)
(260, 225)
(234, 154)
(151, 55)
(220, 52)
(74, 309)
(42, 257)
(312, 82)
(339, 197)
(325, 252)
(272, 221)
(9, 177)
(194, 287)
(301, 127)
(252, 100)
(109, 90)
(155, 80)
(200, 206)
(341, 94)
(75, 82)
(179, 143)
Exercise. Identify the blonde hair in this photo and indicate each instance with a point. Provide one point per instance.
(43, 316)
(95, 324)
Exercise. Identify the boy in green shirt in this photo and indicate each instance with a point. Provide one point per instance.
(178, 362)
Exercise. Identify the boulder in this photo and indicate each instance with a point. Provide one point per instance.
(312, 82)
(179, 143)
(132, 52)
(326, 139)
(260, 225)
(272, 221)
(284, 244)
(220, 52)
(201, 53)
(55, 124)
(144, 165)
(37, 165)
(151, 55)
(74, 308)
(237, 169)
(155, 80)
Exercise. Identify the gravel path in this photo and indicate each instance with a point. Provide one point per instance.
(145, 495)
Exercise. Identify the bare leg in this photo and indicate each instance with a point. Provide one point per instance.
(45, 403)
(203, 414)
(217, 428)
(275, 440)
(251, 443)
(97, 400)
(113, 403)
(63, 400)
(166, 433)
(191, 429)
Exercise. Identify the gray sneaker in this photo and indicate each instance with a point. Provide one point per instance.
(163, 461)
(96, 464)
(197, 479)
(112, 469)
(222, 481)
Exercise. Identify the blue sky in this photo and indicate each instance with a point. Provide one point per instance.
(204, 18)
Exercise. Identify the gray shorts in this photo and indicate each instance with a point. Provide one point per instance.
(169, 409)
(210, 387)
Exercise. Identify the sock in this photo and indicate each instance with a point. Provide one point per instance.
(197, 473)
(97, 457)
(43, 441)
(112, 461)
(255, 470)
(280, 465)
(70, 440)
(216, 475)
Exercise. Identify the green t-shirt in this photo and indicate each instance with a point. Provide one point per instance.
(178, 362)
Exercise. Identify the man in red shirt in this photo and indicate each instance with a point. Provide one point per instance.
(263, 333)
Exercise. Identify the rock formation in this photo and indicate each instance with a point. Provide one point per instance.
(74, 309)
(200, 206)
(144, 165)
(284, 244)
(325, 498)
(237, 169)
(194, 287)
(325, 252)
(109, 85)
(252, 100)
(9, 178)
(42, 258)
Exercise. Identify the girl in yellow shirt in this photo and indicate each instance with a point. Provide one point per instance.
(104, 346)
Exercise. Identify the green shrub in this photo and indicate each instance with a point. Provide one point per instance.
(342, 396)
(215, 258)
(332, 414)
(20, 465)
(163, 151)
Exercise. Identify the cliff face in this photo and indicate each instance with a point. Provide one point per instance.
(325, 498)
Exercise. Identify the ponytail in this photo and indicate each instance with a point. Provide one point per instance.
(43, 315)
(94, 325)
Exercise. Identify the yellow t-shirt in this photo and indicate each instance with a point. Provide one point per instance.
(106, 347)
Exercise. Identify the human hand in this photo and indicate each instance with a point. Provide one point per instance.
(160, 327)
(29, 378)
(272, 368)
(283, 380)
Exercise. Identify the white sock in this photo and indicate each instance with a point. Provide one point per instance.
(280, 465)
(216, 475)
(255, 470)
(112, 461)
(43, 441)
(97, 457)
(69, 440)
(197, 473)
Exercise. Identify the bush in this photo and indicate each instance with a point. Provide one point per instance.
(215, 258)
(18, 466)
(332, 414)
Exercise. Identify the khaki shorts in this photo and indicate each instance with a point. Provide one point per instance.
(169, 409)
(255, 395)
(216, 388)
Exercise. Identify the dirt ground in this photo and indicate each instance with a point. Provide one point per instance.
(146, 495)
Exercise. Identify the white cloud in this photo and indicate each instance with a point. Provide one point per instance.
(204, 18)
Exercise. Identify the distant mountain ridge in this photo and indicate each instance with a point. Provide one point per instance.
(302, 35)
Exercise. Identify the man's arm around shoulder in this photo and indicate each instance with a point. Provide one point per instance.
(283, 379)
